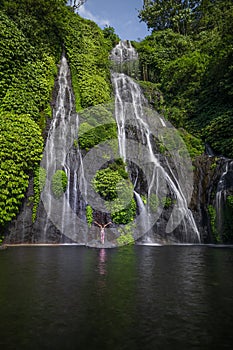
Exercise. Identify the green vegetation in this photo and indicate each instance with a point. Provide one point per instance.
(111, 36)
(222, 234)
(105, 182)
(1, 239)
(194, 144)
(227, 222)
(213, 223)
(21, 150)
(28, 69)
(126, 235)
(87, 51)
(172, 140)
(153, 202)
(230, 201)
(89, 136)
(113, 185)
(33, 35)
(38, 185)
(125, 239)
(97, 125)
(89, 215)
(123, 209)
(153, 94)
(166, 202)
(59, 183)
(218, 133)
(186, 74)
(188, 58)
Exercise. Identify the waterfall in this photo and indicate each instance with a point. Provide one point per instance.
(61, 153)
(224, 187)
(142, 211)
(163, 215)
(124, 58)
(157, 162)
(132, 114)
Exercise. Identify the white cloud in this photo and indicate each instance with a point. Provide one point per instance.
(83, 12)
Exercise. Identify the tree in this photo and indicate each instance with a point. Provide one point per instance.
(76, 4)
(109, 33)
(169, 14)
(186, 16)
(194, 72)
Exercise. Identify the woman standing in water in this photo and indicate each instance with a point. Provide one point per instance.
(102, 232)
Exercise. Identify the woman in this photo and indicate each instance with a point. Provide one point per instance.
(102, 232)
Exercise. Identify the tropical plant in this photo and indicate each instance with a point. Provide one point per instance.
(89, 215)
(59, 183)
(21, 151)
(32, 36)
(191, 66)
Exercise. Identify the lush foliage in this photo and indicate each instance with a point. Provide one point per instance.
(153, 95)
(113, 184)
(97, 125)
(91, 136)
(26, 78)
(222, 227)
(185, 17)
(28, 69)
(33, 35)
(227, 220)
(87, 50)
(153, 202)
(188, 58)
(218, 134)
(59, 183)
(213, 224)
(174, 14)
(89, 215)
(21, 150)
(123, 208)
(126, 235)
(230, 201)
(105, 182)
(113, 38)
(194, 145)
(41, 22)
(38, 185)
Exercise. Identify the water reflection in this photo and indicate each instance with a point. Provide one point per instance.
(134, 298)
(102, 262)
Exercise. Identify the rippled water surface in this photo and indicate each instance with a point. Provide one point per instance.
(140, 297)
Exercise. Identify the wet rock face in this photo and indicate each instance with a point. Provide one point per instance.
(205, 181)
(210, 176)
(213, 179)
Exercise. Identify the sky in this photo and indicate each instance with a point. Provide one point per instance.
(122, 15)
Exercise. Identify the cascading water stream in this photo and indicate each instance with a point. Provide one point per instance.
(130, 106)
(162, 186)
(132, 115)
(125, 58)
(224, 185)
(60, 154)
